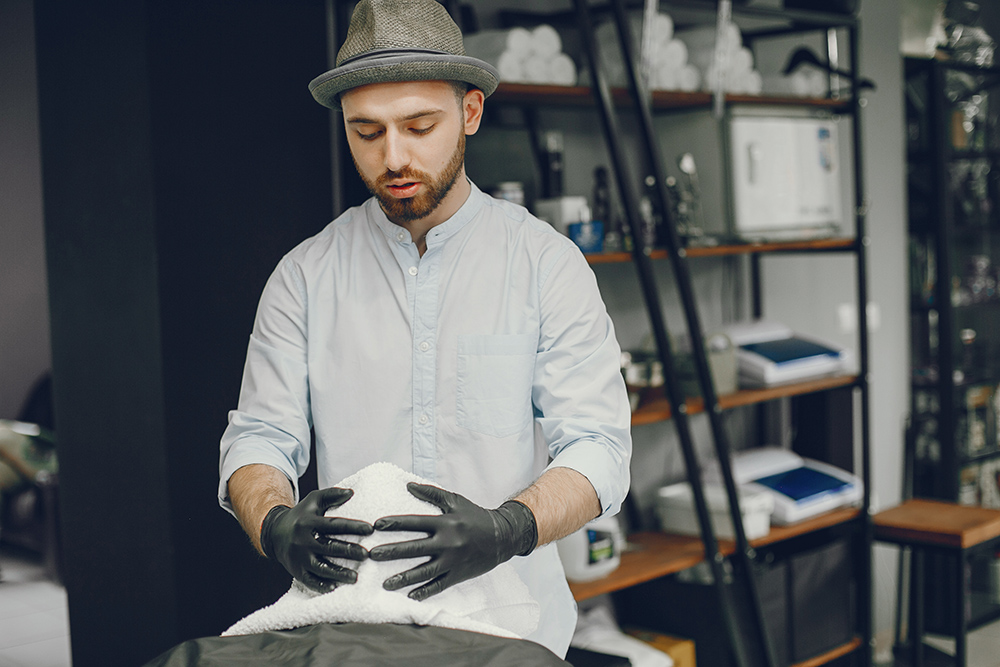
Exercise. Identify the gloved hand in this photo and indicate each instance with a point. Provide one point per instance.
(463, 542)
(301, 539)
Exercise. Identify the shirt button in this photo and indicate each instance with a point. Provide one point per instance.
(401, 236)
(425, 346)
(413, 270)
(423, 419)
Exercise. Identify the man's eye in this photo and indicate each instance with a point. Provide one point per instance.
(368, 137)
(422, 130)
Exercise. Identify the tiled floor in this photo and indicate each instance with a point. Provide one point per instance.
(983, 646)
(34, 628)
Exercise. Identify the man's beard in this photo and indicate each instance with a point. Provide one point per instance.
(433, 192)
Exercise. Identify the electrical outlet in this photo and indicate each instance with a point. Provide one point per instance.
(847, 317)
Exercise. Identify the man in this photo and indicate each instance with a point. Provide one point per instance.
(436, 328)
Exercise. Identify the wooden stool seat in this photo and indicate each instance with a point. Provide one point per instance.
(933, 526)
(929, 522)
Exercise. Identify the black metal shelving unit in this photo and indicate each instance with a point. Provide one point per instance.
(953, 159)
(660, 554)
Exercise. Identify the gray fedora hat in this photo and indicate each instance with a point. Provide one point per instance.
(401, 40)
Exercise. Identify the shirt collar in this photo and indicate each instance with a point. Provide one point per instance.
(438, 233)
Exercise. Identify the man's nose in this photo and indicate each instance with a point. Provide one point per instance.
(396, 153)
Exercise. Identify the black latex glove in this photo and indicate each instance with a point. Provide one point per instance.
(463, 542)
(301, 539)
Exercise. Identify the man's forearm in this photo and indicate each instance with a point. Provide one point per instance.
(562, 501)
(253, 491)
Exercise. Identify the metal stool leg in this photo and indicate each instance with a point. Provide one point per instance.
(961, 623)
(917, 607)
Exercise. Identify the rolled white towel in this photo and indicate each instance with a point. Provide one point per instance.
(609, 48)
(519, 40)
(738, 82)
(701, 43)
(741, 60)
(655, 36)
(545, 41)
(536, 69)
(663, 27)
(675, 53)
(689, 78)
(737, 77)
(742, 82)
(666, 78)
(489, 45)
(562, 70)
(808, 82)
(511, 67)
(731, 83)
(703, 37)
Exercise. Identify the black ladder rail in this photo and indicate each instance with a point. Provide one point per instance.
(744, 552)
(647, 280)
(862, 242)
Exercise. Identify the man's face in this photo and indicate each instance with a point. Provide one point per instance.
(408, 143)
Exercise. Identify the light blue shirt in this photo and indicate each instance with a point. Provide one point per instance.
(475, 366)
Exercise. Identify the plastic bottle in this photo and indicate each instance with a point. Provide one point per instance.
(594, 551)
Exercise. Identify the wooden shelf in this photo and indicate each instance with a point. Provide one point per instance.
(814, 245)
(655, 407)
(832, 654)
(656, 554)
(663, 100)
(650, 556)
(826, 520)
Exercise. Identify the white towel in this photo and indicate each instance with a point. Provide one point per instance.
(496, 603)
(511, 67)
(545, 41)
(562, 70)
(488, 45)
(597, 630)
(536, 69)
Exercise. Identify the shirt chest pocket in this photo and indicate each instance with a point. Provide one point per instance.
(494, 383)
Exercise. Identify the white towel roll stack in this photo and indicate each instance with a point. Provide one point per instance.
(730, 60)
(524, 56)
(670, 66)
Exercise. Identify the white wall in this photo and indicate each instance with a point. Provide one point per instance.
(24, 311)
(888, 262)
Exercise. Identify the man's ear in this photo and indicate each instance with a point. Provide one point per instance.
(472, 110)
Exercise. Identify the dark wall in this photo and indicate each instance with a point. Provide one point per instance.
(182, 156)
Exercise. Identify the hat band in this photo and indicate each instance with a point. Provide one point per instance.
(382, 54)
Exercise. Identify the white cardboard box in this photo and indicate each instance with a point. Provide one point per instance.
(675, 508)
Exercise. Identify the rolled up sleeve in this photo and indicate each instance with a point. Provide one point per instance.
(578, 391)
(272, 422)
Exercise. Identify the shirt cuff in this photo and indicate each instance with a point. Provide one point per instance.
(607, 473)
(247, 453)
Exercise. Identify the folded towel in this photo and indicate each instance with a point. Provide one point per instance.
(496, 603)
(597, 630)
